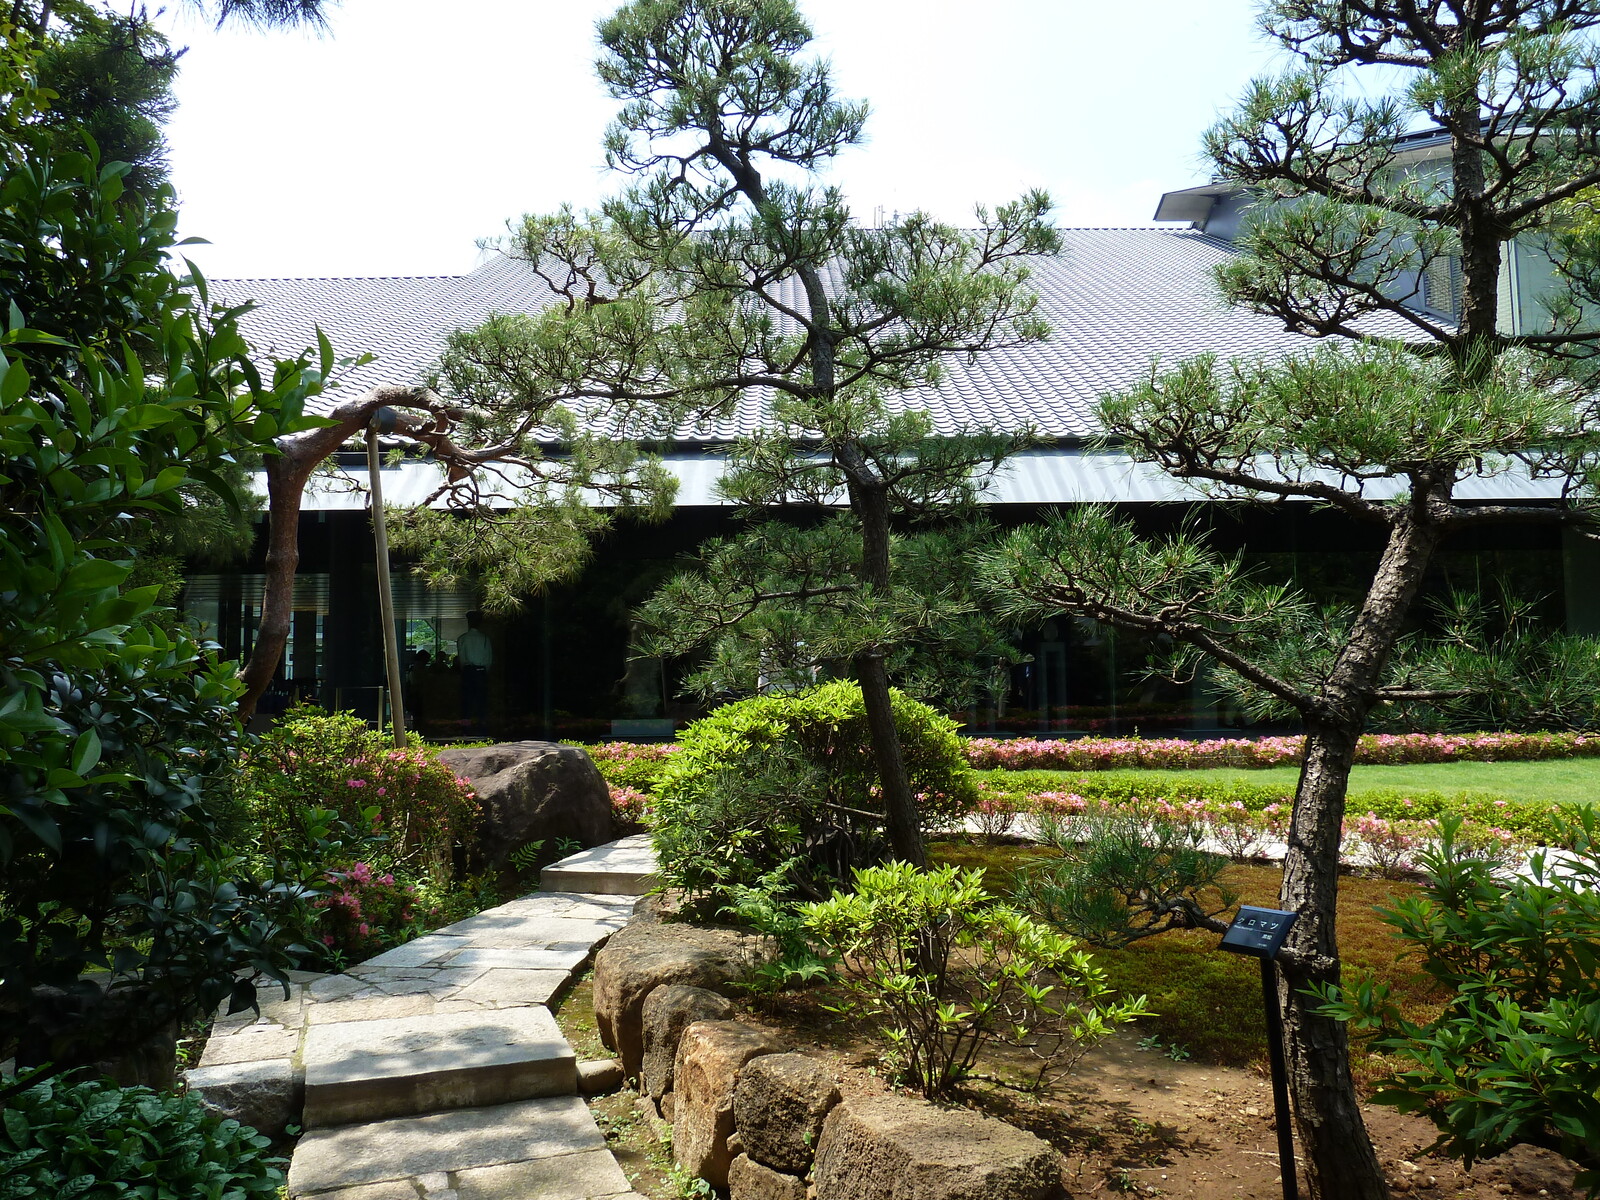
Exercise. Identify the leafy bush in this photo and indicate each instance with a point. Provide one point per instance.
(788, 783)
(942, 968)
(1515, 1055)
(402, 808)
(1107, 754)
(94, 1140)
(124, 394)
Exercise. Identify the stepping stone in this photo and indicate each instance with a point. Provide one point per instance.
(370, 1070)
(622, 868)
(559, 1130)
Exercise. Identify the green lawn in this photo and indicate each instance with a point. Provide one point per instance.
(1559, 780)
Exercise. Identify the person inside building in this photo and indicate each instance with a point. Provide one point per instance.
(475, 655)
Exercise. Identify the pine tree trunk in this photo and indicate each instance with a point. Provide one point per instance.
(871, 505)
(1339, 1158)
(900, 813)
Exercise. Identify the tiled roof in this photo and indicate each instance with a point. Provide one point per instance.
(1114, 299)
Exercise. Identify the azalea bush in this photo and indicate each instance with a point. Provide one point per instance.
(630, 810)
(1104, 754)
(633, 765)
(398, 807)
(364, 911)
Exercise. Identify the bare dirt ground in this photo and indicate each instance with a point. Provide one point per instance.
(1131, 1120)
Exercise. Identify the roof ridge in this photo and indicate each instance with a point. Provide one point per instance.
(328, 278)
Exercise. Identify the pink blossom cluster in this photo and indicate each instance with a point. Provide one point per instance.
(630, 807)
(632, 752)
(1099, 754)
(362, 905)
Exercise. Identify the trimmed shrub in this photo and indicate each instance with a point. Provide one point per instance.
(786, 785)
(95, 1140)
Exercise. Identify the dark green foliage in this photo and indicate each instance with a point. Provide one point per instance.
(1512, 669)
(788, 783)
(1515, 1055)
(1119, 876)
(112, 75)
(119, 386)
(782, 603)
(91, 1140)
(942, 968)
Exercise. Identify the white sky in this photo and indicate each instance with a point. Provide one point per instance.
(390, 145)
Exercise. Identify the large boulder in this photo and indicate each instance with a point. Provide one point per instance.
(749, 1180)
(709, 1058)
(779, 1105)
(644, 955)
(898, 1148)
(533, 791)
(667, 1012)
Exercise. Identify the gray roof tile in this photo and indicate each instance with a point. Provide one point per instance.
(1114, 299)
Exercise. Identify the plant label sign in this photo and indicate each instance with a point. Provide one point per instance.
(1258, 932)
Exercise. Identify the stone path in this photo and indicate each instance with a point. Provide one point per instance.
(436, 1071)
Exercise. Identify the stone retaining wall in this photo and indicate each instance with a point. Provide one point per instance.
(756, 1120)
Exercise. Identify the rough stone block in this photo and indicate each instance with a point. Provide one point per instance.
(370, 1070)
(266, 1095)
(642, 957)
(779, 1105)
(448, 1141)
(899, 1148)
(709, 1057)
(668, 1011)
(600, 1077)
(749, 1180)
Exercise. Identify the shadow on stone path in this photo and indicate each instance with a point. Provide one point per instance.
(436, 1071)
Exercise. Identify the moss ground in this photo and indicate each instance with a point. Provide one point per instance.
(1207, 1003)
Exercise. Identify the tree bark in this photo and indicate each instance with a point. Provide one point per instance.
(288, 467)
(1340, 1159)
(901, 822)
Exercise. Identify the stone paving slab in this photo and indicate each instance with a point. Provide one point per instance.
(371, 1070)
(626, 868)
(582, 1176)
(461, 1140)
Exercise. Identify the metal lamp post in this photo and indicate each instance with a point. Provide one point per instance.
(1259, 933)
